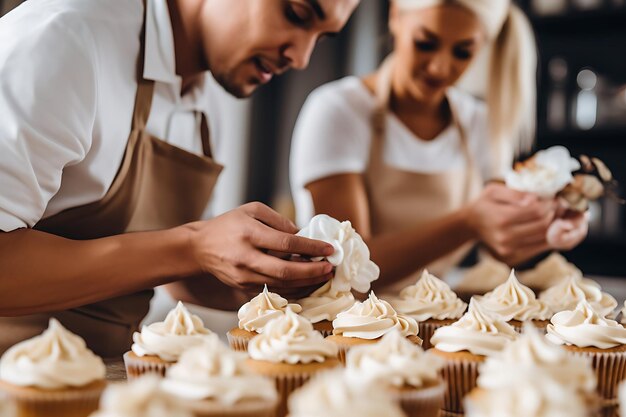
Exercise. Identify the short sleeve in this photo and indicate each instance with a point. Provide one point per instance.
(332, 136)
(47, 110)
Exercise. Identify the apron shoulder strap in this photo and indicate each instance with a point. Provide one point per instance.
(205, 134)
(145, 88)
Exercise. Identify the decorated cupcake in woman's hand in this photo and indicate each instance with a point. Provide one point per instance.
(353, 271)
(568, 293)
(367, 322)
(466, 344)
(53, 375)
(254, 316)
(431, 303)
(159, 345)
(411, 375)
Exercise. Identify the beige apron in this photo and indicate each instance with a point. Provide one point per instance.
(157, 186)
(399, 199)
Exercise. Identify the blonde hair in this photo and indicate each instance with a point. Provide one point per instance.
(511, 95)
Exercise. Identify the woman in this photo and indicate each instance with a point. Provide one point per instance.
(404, 154)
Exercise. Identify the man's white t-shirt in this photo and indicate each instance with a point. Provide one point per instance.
(67, 92)
(333, 135)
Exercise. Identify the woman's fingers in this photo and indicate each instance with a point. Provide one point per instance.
(266, 215)
(291, 274)
(267, 238)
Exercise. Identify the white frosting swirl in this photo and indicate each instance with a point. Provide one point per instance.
(142, 397)
(568, 293)
(548, 272)
(429, 298)
(584, 327)
(479, 332)
(547, 173)
(213, 371)
(394, 361)
(324, 304)
(256, 313)
(291, 338)
(55, 359)
(372, 319)
(623, 311)
(354, 269)
(333, 394)
(514, 301)
(484, 276)
(169, 338)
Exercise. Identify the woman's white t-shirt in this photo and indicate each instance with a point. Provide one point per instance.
(333, 136)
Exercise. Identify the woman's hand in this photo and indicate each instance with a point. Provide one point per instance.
(240, 248)
(512, 224)
(568, 230)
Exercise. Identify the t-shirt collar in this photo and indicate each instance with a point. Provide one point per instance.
(160, 61)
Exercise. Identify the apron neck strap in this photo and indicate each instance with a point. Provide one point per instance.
(384, 85)
(145, 88)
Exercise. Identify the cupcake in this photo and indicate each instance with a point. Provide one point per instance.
(516, 303)
(254, 315)
(333, 394)
(568, 293)
(7, 409)
(214, 381)
(410, 375)
(464, 345)
(533, 377)
(353, 271)
(52, 375)
(431, 303)
(549, 272)
(623, 312)
(482, 277)
(142, 397)
(159, 345)
(366, 322)
(290, 352)
(585, 332)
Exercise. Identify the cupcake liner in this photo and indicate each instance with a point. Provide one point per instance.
(609, 411)
(444, 413)
(461, 378)
(610, 369)
(255, 408)
(541, 325)
(239, 341)
(72, 402)
(421, 402)
(325, 327)
(136, 367)
(427, 329)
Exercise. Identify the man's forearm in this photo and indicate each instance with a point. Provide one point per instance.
(40, 272)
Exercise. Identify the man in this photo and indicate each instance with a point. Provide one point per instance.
(103, 132)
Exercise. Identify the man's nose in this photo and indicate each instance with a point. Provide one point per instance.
(298, 51)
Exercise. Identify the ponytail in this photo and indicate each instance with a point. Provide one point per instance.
(511, 97)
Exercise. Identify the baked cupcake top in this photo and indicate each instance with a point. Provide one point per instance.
(372, 319)
(585, 327)
(291, 339)
(394, 361)
(333, 394)
(55, 359)
(568, 293)
(256, 313)
(213, 371)
(479, 332)
(140, 398)
(168, 339)
(549, 271)
(484, 276)
(514, 301)
(429, 298)
(353, 267)
(324, 304)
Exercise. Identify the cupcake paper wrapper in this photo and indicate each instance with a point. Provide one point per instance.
(136, 367)
(426, 332)
(257, 409)
(421, 402)
(461, 378)
(444, 413)
(610, 368)
(285, 385)
(238, 344)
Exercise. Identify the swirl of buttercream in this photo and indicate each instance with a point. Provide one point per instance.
(169, 338)
(623, 311)
(514, 301)
(584, 327)
(372, 319)
(394, 361)
(353, 267)
(549, 272)
(569, 292)
(478, 331)
(429, 298)
(484, 276)
(334, 394)
(55, 359)
(324, 304)
(256, 313)
(142, 397)
(291, 339)
(213, 371)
